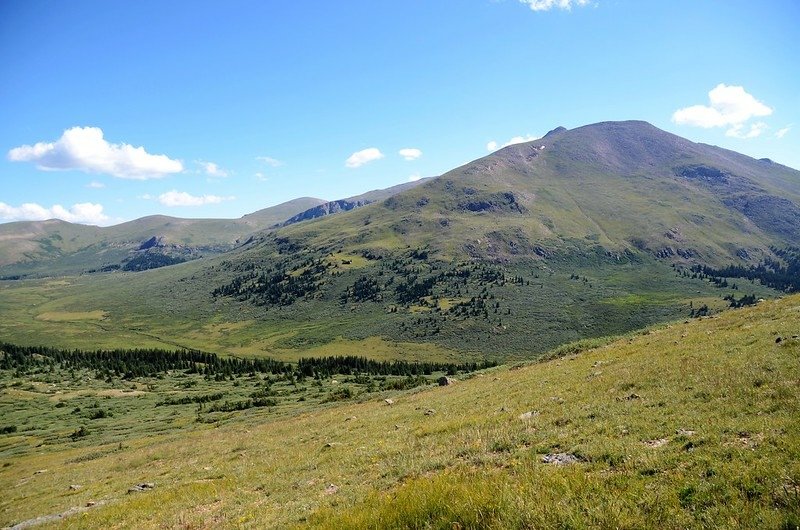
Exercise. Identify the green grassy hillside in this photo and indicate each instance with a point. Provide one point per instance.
(53, 248)
(581, 234)
(687, 425)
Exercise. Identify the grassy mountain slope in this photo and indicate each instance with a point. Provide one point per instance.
(615, 185)
(688, 425)
(351, 203)
(57, 247)
(583, 233)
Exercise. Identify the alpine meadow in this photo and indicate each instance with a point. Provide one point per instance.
(592, 327)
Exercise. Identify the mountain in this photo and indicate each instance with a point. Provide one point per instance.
(351, 203)
(616, 185)
(586, 232)
(55, 246)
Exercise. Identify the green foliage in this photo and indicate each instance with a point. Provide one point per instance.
(151, 260)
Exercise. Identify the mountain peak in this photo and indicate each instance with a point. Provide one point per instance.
(557, 130)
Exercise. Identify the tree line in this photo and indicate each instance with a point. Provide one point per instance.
(151, 362)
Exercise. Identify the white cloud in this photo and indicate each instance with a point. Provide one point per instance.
(494, 146)
(212, 169)
(547, 5)
(260, 176)
(738, 130)
(85, 149)
(410, 153)
(95, 185)
(272, 162)
(84, 213)
(780, 133)
(181, 198)
(415, 177)
(359, 158)
(729, 106)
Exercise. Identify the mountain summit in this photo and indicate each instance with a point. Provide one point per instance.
(622, 186)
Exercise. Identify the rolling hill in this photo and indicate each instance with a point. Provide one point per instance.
(583, 233)
(57, 247)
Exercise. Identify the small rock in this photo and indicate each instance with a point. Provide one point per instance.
(684, 432)
(40, 472)
(633, 396)
(144, 486)
(90, 504)
(331, 489)
(430, 412)
(778, 340)
(332, 444)
(528, 415)
(350, 418)
(656, 443)
(446, 381)
(389, 401)
(560, 459)
(74, 487)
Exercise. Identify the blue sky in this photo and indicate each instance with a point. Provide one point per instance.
(110, 111)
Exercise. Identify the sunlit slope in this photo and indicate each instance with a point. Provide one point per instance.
(56, 247)
(688, 425)
(617, 185)
(584, 233)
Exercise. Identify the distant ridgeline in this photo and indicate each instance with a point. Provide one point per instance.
(152, 362)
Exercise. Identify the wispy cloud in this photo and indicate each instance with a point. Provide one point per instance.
(359, 158)
(95, 185)
(272, 162)
(780, 133)
(547, 5)
(410, 153)
(740, 131)
(213, 170)
(85, 149)
(494, 146)
(84, 213)
(729, 106)
(181, 198)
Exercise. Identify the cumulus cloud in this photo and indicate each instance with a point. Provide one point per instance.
(729, 106)
(212, 170)
(494, 146)
(85, 149)
(547, 5)
(780, 133)
(272, 162)
(181, 198)
(359, 158)
(415, 177)
(95, 185)
(84, 213)
(410, 153)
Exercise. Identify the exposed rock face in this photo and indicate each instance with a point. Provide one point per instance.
(342, 205)
(155, 241)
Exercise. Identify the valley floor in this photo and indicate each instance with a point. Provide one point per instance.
(688, 425)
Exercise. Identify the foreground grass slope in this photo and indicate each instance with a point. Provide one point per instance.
(689, 425)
